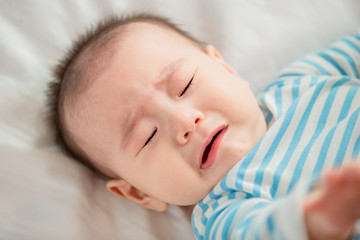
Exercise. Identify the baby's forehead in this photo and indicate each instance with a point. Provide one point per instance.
(145, 29)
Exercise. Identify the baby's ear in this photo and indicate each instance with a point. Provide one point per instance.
(125, 190)
(212, 52)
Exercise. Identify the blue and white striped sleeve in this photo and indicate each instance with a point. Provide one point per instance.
(234, 217)
(342, 58)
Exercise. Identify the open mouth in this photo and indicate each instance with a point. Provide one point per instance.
(208, 147)
(211, 149)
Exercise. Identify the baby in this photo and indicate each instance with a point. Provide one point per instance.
(166, 121)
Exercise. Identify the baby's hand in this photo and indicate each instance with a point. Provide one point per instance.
(333, 207)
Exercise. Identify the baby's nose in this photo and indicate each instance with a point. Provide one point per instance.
(184, 122)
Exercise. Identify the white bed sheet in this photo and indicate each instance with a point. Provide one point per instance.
(45, 195)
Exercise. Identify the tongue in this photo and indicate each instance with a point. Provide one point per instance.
(208, 148)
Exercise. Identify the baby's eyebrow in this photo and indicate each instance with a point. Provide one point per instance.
(129, 126)
(168, 71)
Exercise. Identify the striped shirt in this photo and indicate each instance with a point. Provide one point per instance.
(312, 111)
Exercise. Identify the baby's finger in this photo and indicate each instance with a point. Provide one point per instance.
(334, 178)
(314, 201)
(352, 174)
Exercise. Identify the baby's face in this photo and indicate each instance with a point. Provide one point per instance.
(167, 117)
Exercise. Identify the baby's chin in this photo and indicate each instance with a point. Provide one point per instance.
(190, 202)
(189, 199)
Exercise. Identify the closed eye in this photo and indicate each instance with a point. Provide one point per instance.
(151, 137)
(187, 87)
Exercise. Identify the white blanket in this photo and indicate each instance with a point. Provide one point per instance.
(45, 195)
